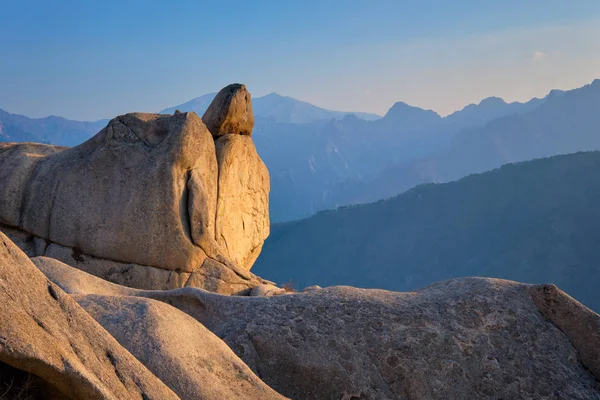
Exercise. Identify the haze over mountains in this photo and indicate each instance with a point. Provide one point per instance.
(51, 130)
(281, 108)
(130, 193)
(321, 159)
(315, 167)
(535, 221)
(324, 163)
(564, 122)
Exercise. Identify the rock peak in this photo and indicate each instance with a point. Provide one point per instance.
(230, 112)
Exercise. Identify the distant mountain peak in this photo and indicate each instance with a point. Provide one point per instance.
(274, 95)
(493, 100)
(274, 106)
(400, 109)
(556, 93)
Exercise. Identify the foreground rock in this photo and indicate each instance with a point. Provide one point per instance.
(243, 194)
(179, 350)
(45, 333)
(459, 339)
(149, 201)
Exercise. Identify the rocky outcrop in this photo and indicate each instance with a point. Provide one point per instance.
(45, 333)
(580, 324)
(180, 351)
(242, 226)
(466, 338)
(463, 338)
(148, 191)
(230, 113)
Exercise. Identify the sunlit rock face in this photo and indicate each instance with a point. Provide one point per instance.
(466, 338)
(151, 201)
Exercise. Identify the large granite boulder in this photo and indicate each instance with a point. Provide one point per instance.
(243, 194)
(148, 191)
(459, 339)
(46, 334)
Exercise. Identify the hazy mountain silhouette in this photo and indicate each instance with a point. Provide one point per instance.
(338, 158)
(475, 115)
(282, 108)
(55, 130)
(332, 163)
(563, 122)
(198, 105)
(536, 221)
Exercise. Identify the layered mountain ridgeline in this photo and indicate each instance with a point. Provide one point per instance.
(274, 106)
(533, 222)
(320, 158)
(51, 130)
(326, 163)
(564, 122)
(313, 165)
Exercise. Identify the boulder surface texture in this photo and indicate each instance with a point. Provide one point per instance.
(45, 333)
(468, 338)
(151, 201)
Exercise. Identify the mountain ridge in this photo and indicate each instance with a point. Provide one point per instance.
(530, 221)
(284, 109)
(336, 161)
(562, 122)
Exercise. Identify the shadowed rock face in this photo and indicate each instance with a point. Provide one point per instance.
(466, 338)
(240, 223)
(148, 190)
(44, 332)
(179, 350)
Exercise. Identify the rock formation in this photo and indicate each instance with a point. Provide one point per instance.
(148, 202)
(243, 178)
(179, 350)
(230, 112)
(138, 237)
(465, 338)
(45, 333)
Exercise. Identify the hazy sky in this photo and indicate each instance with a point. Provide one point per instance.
(90, 59)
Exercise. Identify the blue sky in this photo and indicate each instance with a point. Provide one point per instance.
(95, 59)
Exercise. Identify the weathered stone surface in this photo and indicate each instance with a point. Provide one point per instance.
(25, 241)
(212, 276)
(230, 112)
(145, 192)
(459, 339)
(243, 200)
(313, 287)
(181, 352)
(127, 274)
(580, 324)
(17, 163)
(216, 277)
(17, 384)
(75, 281)
(266, 290)
(123, 195)
(465, 338)
(43, 331)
